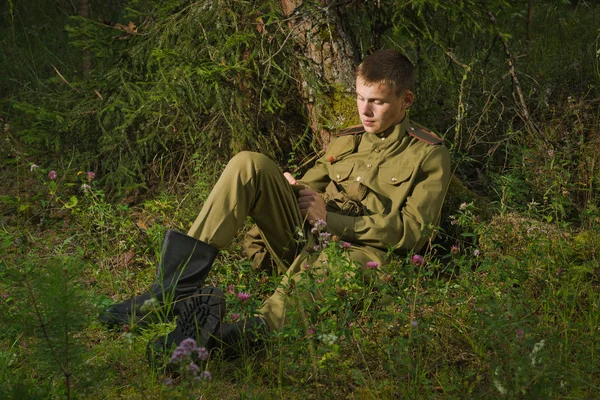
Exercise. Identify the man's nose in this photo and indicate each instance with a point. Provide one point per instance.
(364, 108)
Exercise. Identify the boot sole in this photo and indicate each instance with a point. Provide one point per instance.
(199, 316)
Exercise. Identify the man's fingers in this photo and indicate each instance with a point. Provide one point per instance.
(307, 193)
(308, 200)
(290, 178)
(305, 205)
(311, 205)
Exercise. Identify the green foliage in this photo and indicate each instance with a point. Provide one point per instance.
(464, 89)
(172, 85)
(45, 312)
(508, 309)
(171, 80)
(512, 309)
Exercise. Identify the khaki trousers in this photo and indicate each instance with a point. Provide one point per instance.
(252, 185)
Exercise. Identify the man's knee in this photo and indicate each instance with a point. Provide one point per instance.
(247, 160)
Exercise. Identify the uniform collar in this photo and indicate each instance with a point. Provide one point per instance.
(395, 132)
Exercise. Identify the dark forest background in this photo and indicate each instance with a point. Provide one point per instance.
(117, 116)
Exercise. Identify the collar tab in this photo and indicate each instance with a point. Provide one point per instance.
(353, 130)
(421, 133)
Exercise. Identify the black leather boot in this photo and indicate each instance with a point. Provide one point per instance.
(199, 317)
(183, 268)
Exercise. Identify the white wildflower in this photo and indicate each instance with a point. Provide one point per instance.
(149, 305)
(328, 338)
(536, 349)
(497, 383)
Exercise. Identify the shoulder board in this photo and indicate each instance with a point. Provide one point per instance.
(424, 135)
(353, 130)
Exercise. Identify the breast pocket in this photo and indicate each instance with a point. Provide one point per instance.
(394, 183)
(341, 172)
(340, 147)
(394, 175)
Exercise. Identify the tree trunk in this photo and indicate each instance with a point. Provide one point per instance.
(328, 49)
(528, 25)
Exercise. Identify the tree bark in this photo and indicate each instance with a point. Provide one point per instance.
(328, 49)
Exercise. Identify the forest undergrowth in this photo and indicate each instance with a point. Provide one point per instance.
(510, 309)
(503, 303)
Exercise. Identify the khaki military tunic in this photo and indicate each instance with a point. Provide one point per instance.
(398, 179)
(382, 191)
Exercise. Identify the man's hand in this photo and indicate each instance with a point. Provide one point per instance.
(290, 178)
(312, 206)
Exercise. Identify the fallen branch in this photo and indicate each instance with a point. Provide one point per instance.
(525, 116)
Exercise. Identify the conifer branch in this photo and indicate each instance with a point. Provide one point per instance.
(66, 370)
(39, 317)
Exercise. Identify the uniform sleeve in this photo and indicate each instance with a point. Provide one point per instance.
(404, 229)
(316, 178)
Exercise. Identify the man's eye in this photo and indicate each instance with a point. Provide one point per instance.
(378, 102)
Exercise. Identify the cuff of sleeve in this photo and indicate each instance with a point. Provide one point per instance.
(341, 226)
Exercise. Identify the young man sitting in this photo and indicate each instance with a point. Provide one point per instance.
(378, 186)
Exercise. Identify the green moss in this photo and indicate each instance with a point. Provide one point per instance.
(586, 245)
(458, 193)
(340, 110)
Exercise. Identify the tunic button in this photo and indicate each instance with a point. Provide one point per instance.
(377, 150)
(358, 178)
(369, 165)
(337, 177)
(394, 179)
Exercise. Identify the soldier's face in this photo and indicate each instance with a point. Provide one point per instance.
(378, 105)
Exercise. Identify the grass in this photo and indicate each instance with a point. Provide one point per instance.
(518, 318)
(508, 309)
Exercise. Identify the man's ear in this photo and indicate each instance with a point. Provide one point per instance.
(408, 98)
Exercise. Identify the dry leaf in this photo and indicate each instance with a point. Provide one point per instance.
(125, 259)
(142, 225)
(261, 28)
(129, 28)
